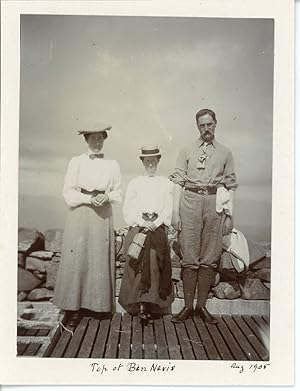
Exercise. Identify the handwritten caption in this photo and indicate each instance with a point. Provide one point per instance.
(131, 367)
(246, 368)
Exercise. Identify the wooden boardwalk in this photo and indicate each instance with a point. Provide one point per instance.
(235, 337)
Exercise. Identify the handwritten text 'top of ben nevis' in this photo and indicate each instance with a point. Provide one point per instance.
(134, 367)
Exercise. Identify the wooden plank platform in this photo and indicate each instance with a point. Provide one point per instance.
(235, 337)
(35, 339)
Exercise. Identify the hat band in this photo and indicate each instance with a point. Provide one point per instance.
(150, 151)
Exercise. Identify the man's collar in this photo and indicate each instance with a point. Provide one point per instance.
(201, 142)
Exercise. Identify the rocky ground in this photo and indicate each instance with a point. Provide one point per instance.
(39, 256)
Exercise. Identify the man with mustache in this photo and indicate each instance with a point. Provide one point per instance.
(205, 183)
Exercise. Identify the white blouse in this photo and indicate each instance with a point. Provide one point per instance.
(148, 194)
(88, 174)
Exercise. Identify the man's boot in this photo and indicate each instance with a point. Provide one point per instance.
(206, 275)
(189, 279)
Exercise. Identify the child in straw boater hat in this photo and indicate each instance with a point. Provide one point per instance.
(146, 287)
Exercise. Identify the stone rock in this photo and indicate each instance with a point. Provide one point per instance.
(36, 264)
(22, 308)
(56, 259)
(119, 273)
(40, 294)
(26, 280)
(22, 296)
(175, 249)
(39, 275)
(28, 314)
(122, 259)
(118, 264)
(179, 290)
(264, 263)
(47, 255)
(254, 289)
(53, 240)
(30, 240)
(263, 275)
(21, 260)
(257, 251)
(175, 252)
(51, 269)
(227, 290)
(119, 245)
(175, 262)
(216, 280)
(176, 273)
(210, 295)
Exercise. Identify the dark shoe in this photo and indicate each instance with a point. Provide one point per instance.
(74, 320)
(142, 312)
(205, 315)
(183, 315)
(102, 315)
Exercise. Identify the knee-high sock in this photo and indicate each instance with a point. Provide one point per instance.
(205, 279)
(189, 278)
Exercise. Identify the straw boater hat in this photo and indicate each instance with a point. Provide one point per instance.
(94, 128)
(150, 151)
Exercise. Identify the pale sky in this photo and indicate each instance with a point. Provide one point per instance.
(147, 77)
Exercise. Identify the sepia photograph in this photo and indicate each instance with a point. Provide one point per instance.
(181, 109)
(145, 192)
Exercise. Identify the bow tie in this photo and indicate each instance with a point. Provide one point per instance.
(96, 155)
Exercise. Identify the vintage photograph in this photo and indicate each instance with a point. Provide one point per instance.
(145, 187)
(147, 215)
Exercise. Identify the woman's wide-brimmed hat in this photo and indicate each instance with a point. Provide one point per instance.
(149, 151)
(95, 127)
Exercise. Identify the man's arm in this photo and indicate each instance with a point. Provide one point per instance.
(176, 221)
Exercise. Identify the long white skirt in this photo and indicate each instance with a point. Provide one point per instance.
(86, 275)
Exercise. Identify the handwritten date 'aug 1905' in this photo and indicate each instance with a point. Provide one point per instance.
(249, 367)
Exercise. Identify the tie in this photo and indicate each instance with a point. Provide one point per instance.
(96, 155)
(202, 159)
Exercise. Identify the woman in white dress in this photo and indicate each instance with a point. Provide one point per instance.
(146, 286)
(86, 275)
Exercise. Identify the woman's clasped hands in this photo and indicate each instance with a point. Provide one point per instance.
(99, 200)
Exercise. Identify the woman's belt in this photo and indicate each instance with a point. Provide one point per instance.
(93, 193)
(203, 190)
